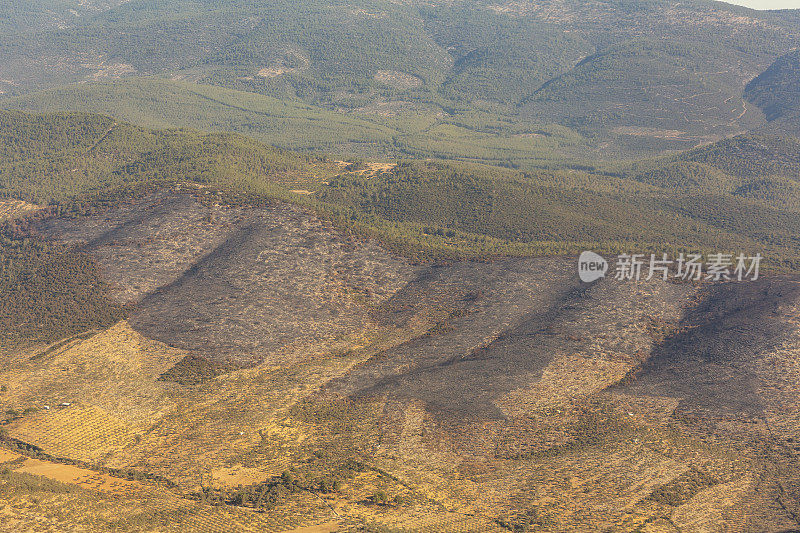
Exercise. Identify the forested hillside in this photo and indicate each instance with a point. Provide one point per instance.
(777, 92)
(420, 131)
(53, 158)
(310, 265)
(645, 75)
(716, 197)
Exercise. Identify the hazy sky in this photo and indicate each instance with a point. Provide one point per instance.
(767, 4)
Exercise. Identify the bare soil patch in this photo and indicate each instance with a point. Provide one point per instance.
(398, 80)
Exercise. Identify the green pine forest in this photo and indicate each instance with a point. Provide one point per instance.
(503, 129)
(722, 195)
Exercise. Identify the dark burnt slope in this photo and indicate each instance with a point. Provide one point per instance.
(234, 284)
(711, 363)
(149, 242)
(281, 280)
(733, 367)
(246, 285)
(449, 366)
(511, 334)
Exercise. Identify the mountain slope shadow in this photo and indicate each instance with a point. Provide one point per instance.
(481, 354)
(149, 242)
(281, 281)
(235, 284)
(710, 362)
(510, 337)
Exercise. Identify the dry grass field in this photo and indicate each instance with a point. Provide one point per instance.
(461, 397)
(10, 208)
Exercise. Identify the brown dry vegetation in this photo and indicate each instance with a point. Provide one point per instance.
(10, 208)
(498, 396)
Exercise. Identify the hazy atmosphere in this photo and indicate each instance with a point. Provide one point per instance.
(379, 266)
(767, 4)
